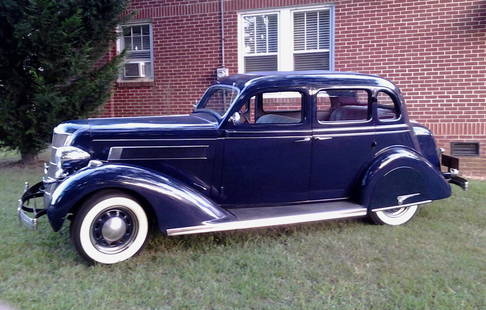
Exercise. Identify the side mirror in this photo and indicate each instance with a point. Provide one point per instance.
(235, 119)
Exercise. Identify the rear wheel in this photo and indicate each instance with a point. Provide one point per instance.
(395, 217)
(109, 228)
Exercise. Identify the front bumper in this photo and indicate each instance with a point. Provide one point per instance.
(24, 206)
(452, 164)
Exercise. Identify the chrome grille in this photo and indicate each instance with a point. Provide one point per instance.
(58, 140)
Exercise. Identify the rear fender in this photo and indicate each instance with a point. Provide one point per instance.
(401, 176)
(173, 203)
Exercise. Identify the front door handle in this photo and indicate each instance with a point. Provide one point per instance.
(307, 139)
(322, 138)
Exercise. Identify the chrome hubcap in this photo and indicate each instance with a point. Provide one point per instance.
(114, 229)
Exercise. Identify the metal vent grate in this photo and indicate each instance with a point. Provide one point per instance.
(465, 148)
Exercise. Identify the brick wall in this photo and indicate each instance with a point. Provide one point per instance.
(435, 51)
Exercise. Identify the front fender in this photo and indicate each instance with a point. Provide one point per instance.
(401, 176)
(174, 203)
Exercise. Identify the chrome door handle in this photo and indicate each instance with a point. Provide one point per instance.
(303, 140)
(322, 138)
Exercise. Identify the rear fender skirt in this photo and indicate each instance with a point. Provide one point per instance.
(174, 203)
(400, 176)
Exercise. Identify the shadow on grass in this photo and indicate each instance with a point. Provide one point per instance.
(59, 244)
(249, 237)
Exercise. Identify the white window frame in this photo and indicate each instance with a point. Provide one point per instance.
(120, 47)
(285, 53)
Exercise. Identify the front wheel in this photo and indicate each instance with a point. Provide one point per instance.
(396, 216)
(109, 228)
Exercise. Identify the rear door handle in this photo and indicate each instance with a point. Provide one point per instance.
(322, 138)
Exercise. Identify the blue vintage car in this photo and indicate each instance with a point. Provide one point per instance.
(260, 149)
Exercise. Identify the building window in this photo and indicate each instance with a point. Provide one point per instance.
(286, 39)
(311, 40)
(260, 42)
(137, 40)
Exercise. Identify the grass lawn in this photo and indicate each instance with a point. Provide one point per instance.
(438, 261)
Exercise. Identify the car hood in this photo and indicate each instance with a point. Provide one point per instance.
(155, 122)
(123, 124)
(138, 127)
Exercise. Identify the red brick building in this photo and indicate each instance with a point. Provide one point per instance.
(435, 51)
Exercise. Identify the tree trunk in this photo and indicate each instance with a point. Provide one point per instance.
(28, 158)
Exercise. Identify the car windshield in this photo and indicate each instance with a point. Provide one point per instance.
(218, 99)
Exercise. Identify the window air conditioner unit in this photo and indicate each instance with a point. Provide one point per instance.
(134, 70)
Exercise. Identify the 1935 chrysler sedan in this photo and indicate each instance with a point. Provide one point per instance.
(259, 149)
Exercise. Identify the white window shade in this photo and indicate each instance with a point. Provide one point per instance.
(260, 34)
(312, 36)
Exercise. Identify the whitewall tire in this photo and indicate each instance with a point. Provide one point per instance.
(394, 217)
(109, 228)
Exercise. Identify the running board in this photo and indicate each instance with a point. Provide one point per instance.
(282, 215)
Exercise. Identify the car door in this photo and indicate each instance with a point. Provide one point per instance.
(342, 142)
(266, 152)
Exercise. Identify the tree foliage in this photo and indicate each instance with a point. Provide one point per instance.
(53, 65)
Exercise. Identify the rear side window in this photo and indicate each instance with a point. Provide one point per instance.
(386, 107)
(343, 105)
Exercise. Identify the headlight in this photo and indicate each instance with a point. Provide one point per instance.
(70, 157)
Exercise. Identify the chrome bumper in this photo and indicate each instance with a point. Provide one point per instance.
(23, 207)
(452, 164)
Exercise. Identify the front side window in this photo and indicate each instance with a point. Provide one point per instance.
(286, 39)
(218, 99)
(283, 107)
(343, 105)
(136, 40)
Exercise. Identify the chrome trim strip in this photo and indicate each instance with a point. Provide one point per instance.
(267, 222)
(116, 151)
(274, 137)
(361, 128)
(161, 158)
(355, 128)
(143, 140)
(320, 200)
(268, 131)
(156, 146)
(402, 206)
(363, 133)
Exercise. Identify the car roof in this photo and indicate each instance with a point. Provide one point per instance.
(316, 78)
